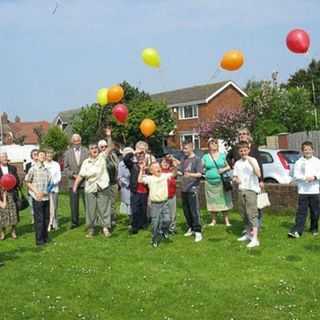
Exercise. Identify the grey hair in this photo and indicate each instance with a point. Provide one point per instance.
(75, 136)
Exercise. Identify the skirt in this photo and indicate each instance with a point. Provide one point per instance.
(9, 215)
(217, 199)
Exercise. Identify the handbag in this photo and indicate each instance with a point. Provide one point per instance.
(225, 177)
(263, 200)
(21, 202)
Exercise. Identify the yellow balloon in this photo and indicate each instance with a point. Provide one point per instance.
(102, 97)
(151, 57)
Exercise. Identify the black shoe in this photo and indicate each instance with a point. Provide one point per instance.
(133, 231)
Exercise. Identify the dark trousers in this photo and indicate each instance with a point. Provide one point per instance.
(41, 220)
(74, 205)
(305, 202)
(139, 205)
(191, 210)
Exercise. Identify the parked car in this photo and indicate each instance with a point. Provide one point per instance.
(278, 164)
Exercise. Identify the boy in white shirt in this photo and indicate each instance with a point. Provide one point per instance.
(307, 174)
(158, 193)
(246, 174)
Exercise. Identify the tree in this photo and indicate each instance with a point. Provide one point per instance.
(308, 79)
(88, 123)
(38, 131)
(225, 126)
(277, 110)
(55, 139)
(92, 119)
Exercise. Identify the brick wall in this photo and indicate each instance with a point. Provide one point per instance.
(283, 197)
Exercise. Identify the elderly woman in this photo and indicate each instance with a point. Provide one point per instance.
(214, 164)
(9, 214)
(124, 184)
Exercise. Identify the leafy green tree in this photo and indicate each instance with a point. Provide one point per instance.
(275, 110)
(55, 139)
(308, 79)
(88, 123)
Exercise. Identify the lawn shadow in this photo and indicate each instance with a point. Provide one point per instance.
(236, 228)
(293, 258)
(312, 247)
(216, 239)
(16, 253)
(286, 225)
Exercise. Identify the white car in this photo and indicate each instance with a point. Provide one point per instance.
(278, 164)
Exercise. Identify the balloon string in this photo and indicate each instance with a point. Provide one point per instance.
(162, 79)
(215, 74)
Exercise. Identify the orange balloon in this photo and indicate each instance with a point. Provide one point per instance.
(115, 94)
(232, 60)
(147, 127)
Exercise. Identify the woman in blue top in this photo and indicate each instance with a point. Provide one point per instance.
(214, 163)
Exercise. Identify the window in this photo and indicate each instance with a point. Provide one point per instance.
(188, 112)
(191, 137)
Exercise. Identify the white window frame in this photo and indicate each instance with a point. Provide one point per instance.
(195, 112)
(195, 139)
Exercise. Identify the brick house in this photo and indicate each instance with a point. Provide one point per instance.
(20, 132)
(194, 105)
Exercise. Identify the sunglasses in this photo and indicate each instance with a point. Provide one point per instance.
(103, 147)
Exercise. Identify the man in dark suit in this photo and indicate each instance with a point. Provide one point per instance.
(73, 159)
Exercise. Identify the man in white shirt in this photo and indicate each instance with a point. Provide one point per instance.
(307, 174)
(246, 174)
(97, 190)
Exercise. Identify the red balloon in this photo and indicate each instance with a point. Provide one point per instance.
(8, 181)
(120, 112)
(298, 41)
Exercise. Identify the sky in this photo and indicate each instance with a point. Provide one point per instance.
(55, 55)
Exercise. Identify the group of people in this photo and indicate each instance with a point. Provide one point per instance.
(148, 188)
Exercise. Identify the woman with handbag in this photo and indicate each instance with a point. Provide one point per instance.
(218, 195)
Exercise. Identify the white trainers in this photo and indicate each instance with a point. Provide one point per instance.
(245, 237)
(198, 237)
(106, 232)
(189, 233)
(253, 243)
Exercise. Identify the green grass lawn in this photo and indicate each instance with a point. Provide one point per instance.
(123, 277)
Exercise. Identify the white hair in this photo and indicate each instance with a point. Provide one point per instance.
(75, 136)
(102, 143)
